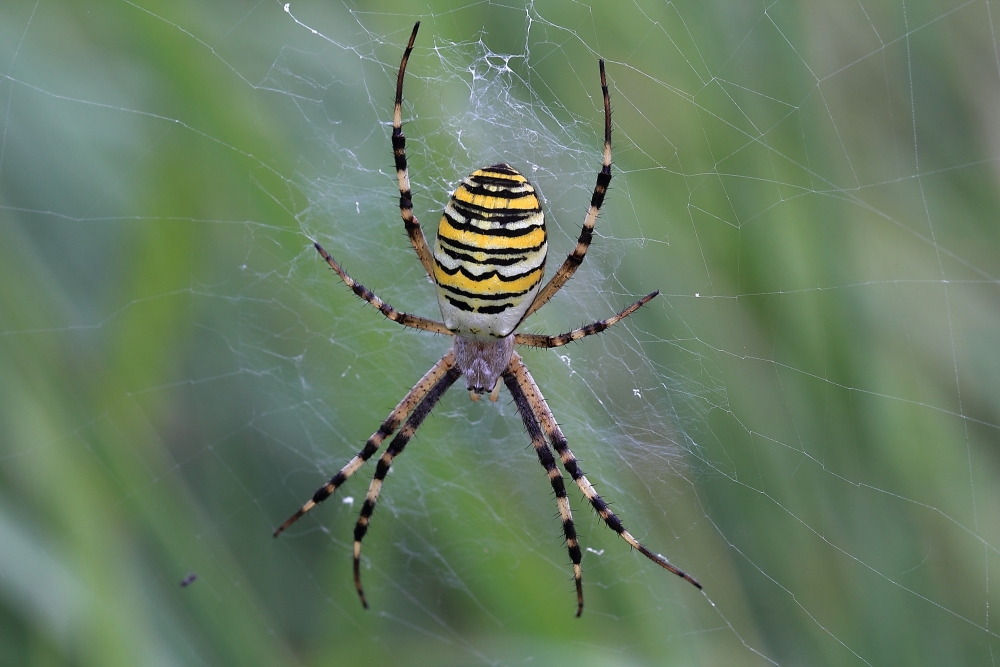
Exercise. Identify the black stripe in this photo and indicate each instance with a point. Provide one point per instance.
(601, 189)
(492, 231)
(492, 310)
(485, 297)
(506, 260)
(461, 305)
(399, 149)
(325, 491)
(502, 192)
(502, 168)
(497, 181)
(485, 310)
(493, 213)
(496, 252)
(503, 260)
(484, 276)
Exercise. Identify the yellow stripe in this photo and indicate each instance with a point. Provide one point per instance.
(528, 201)
(493, 285)
(486, 241)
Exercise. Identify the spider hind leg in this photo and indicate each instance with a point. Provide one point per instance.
(548, 462)
(411, 402)
(532, 406)
(395, 448)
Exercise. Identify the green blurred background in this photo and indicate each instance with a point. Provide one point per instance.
(806, 419)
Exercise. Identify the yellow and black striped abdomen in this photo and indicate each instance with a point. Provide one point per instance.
(489, 256)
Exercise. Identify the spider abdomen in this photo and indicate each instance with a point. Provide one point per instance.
(489, 256)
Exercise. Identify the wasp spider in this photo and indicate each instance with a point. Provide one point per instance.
(487, 263)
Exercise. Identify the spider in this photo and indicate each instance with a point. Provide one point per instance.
(487, 263)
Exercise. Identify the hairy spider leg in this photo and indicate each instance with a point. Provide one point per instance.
(407, 320)
(541, 410)
(575, 258)
(395, 448)
(555, 478)
(413, 399)
(410, 222)
(536, 340)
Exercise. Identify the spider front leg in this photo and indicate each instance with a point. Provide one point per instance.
(410, 222)
(413, 399)
(575, 258)
(385, 462)
(538, 406)
(555, 478)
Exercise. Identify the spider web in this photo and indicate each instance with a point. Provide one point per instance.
(805, 419)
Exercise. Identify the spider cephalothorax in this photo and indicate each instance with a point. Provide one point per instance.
(488, 262)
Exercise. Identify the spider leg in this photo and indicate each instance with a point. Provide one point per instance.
(407, 320)
(527, 384)
(385, 461)
(410, 221)
(427, 384)
(575, 258)
(555, 478)
(534, 340)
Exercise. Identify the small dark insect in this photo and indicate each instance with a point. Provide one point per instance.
(188, 580)
(487, 264)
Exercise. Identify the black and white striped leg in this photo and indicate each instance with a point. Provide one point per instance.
(407, 320)
(385, 462)
(427, 384)
(575, 258)
(558, 440)
(555, 478)
(410, 222)
(535, 340)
